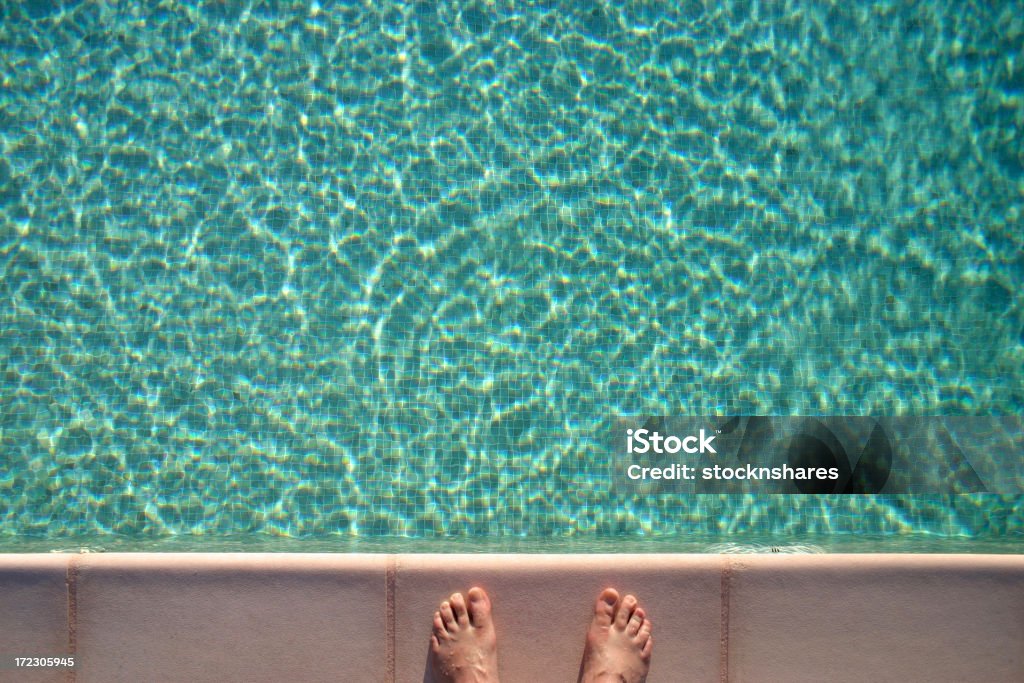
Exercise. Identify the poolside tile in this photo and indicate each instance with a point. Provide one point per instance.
(33, 612)
(543, 604)
(217, 618)
(876, 618)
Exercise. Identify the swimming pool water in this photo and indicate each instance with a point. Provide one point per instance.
(371, 269)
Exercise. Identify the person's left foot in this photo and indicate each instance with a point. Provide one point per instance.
(463, 646)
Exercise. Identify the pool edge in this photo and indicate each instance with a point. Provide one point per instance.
(264, 616)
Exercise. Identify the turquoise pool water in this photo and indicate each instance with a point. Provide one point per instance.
(360, 270)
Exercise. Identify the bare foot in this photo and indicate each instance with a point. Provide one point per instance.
(463, 647)
(619, 642)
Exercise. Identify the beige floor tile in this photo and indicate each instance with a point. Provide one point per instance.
(221, 618)
(877, 618)
(33, 612)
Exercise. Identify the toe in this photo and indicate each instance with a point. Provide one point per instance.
(625, 611)
(448, 617)
(439, 629)
(604, 610)
(635, 622)
(459, 608)
(479, 607)
(645, 653)
(644, 634)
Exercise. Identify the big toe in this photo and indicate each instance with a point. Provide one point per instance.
(604, 610)
(479, 607)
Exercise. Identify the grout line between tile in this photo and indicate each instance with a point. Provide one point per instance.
(71, 580)
(723, 647)
(389, 618)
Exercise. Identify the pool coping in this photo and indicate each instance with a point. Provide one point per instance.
(360, 617)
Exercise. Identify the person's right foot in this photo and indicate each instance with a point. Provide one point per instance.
(619, 642)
